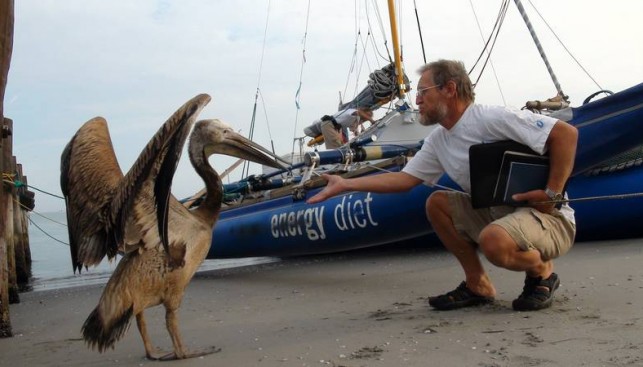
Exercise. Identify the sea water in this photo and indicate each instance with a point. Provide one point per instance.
(51, 259)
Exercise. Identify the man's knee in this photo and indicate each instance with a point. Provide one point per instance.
(437, 205)
(494, 242)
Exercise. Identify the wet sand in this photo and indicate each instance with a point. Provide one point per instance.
(365, 308)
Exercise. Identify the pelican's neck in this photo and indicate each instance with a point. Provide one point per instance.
(213, 185)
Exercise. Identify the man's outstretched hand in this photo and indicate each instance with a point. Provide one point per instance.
(335, 186)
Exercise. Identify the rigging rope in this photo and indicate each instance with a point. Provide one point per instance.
(587, 198)
(8, 178)
(265, 113)
(493, 69)
(44, 216)
(417, 18)
(301, 77)
(47, 234)
(380, 81)
(565, 47)
(19, 184)
(382, 32)
(376, 50)
(493, 35)
(361, 64)
(400, 28)
(541, 51)
(246, 165)
(354, 57)
(494, 31)
(37, 226)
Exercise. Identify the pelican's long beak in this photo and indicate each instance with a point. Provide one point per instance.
(234, 144)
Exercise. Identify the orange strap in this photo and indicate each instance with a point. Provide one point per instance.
(316, 141)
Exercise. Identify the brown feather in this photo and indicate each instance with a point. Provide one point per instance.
(89, 177)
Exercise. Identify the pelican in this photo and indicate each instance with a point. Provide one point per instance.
(162, 242)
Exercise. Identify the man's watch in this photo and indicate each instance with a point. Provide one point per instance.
(553, 195)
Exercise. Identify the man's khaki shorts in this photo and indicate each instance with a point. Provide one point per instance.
(551, 234)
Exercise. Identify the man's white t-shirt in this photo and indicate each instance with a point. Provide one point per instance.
(346, 117)
(448, 150)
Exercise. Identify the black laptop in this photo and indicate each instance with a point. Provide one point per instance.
(485, 162)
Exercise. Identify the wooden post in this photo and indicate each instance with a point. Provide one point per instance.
(21, 238)
(6, 48)
(22, 273)
(5, 320)
(9, 192)
(27, 203)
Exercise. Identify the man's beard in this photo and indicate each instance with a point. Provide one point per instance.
(435, 116)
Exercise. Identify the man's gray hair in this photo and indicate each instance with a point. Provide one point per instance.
(444, 71)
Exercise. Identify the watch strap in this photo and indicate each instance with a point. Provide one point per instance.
(553, 195)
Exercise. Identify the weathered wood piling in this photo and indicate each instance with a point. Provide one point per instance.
(21, 206)
(15, 257)
(15, 203)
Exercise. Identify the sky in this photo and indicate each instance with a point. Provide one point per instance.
(136, 62)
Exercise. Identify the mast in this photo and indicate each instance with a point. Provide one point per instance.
(396, 50)
(521, 9)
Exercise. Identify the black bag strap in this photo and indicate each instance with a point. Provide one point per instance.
(331, 119)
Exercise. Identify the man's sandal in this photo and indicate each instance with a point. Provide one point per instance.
(538, 293)
(458, 298)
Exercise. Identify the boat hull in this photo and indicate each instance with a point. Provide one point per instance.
(608, 127)
(289, 227)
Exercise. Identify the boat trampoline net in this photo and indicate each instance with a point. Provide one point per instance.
(631, 158)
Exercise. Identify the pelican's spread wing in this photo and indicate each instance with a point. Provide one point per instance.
(141, 201)
(89, 176)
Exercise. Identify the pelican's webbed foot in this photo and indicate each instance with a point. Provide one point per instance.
(173, 356)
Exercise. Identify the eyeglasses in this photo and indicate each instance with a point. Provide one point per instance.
(422, 91)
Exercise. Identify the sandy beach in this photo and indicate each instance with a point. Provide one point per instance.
(364, 308)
